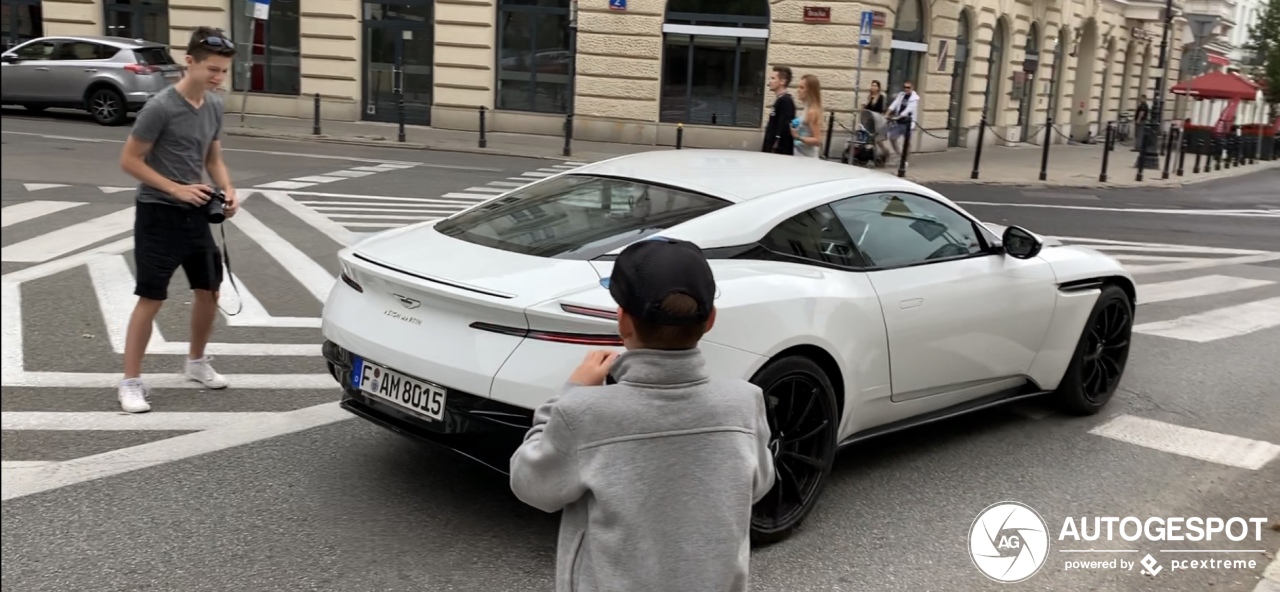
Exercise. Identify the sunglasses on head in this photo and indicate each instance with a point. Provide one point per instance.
(218, 43)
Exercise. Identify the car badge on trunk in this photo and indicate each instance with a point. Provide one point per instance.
(408, 302)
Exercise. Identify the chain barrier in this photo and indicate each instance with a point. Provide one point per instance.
(1037, 129)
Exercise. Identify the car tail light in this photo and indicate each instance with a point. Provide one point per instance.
(140, 68)
(556, 336)
(349, 278)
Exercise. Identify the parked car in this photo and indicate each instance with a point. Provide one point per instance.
(860, 303)
(109, 77)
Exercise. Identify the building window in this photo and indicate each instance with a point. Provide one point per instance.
(534, 55)
(713, 62)
(267, 51)
(908, 48)
(20, 22)
(138, 19)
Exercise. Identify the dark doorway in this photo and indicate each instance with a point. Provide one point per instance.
(398, 49)
(22, 21)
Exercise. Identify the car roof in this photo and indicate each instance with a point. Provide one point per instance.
(734, 175)
(120, 42)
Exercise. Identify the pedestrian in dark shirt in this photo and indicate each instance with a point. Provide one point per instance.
(777, 133)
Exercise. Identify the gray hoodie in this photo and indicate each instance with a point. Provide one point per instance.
(656, 476)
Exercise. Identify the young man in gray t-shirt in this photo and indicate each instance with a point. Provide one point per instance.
(175, 139)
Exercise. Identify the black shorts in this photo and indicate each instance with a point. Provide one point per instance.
(166, 237)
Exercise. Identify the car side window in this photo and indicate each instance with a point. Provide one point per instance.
(82, 50)
(39, 50)
(816, 235)
(901, 229)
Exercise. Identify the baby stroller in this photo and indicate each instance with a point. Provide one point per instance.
(863, 149)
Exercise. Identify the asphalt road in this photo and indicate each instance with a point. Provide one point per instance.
(285, 493)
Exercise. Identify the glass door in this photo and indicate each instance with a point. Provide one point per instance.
(398, 58)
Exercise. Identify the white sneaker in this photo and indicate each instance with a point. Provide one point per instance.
(201, 371)
(133, 396)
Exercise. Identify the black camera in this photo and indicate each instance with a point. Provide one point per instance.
(213, 209)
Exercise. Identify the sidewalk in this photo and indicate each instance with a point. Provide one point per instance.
(1069, 166)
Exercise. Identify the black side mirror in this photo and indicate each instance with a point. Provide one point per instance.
(1020, 243)
(9, 58)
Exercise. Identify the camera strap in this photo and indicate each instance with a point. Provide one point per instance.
(226, 260)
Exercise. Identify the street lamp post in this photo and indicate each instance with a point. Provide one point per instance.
(1149, 152)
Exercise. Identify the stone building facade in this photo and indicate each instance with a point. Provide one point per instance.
(633, 70)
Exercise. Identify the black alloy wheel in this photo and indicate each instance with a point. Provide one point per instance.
(107, 107)
(1101, 355)
(803, 420)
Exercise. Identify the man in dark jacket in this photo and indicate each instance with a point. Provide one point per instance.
(777, 134)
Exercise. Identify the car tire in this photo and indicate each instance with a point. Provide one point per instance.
(804, 446)
(107, 107)
(1101, 355)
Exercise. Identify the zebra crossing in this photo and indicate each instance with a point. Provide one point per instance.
(362, 214)
(1198, 294)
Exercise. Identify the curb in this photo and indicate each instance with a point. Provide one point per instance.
(1171, 182)
(1270, 576)
(252, 133)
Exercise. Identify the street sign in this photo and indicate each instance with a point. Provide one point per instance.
(259, 9)
(1202, 24)
(617, 4)
(864, 28)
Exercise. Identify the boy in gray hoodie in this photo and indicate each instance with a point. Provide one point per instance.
(657, 473)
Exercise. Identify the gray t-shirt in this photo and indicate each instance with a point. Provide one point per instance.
(180, 135)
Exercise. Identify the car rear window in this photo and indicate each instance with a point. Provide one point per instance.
(577, 216)
(154, 56)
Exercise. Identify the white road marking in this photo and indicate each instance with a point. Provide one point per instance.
(507, 184)
(251, 312)
(37, 479)
(487, 189)
(527, 180)
(471, 196)
(104, 380)
(1196, 443)
(113, 284)
(575, 163)
(540, 175)
(1119, 245)
(1232, 321)
(311, 275)
(284, 185)
(372, 224)
(106, 189)
(24, 464)
(373, 217)
(40, 186)
(69, 238)
(1205, 285)
(120, 421)
(70, 262)
(349, 174)
(1187, 212)
(378, 198)
(330, 228)
(11, 352)
(403, 209)
(318, 179)
(30, 210)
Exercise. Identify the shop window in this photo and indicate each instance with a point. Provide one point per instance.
(138, 19)
(534, 55)
(20, 22)
(267, 51)
(907, 50)
(714, 62)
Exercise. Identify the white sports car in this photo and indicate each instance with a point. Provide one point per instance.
(859, 302)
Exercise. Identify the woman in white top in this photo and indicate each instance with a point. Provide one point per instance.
(806, 128)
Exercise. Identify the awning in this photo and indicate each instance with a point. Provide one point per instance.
(1218, 85)
(1218, 59)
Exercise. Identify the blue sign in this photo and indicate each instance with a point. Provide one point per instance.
(864, 28)
(617, 4)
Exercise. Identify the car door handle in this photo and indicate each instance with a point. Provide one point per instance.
(911, 303)
(42, 69)
(90, 69)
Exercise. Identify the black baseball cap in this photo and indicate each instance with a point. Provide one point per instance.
(648, 271)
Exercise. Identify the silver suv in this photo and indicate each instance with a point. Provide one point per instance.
(109, 77)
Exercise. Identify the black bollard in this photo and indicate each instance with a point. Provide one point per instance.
(1044, 149)
(1199, 149)
(1182, 151)
(1106, 150)
(831, 124)
(679, 136)
(568, 134)
(484, 142)
(1168, 152)
(1239, 146)
(1142, 145)
(315, 119)
(977, 153)
(1217, 154)
(906, 147)
(400, 114)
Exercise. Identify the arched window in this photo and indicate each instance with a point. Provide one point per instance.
(1031, 70)
(713, 62)
(995, 69)
(908, 47)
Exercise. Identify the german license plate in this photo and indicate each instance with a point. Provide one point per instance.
(420, 397)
